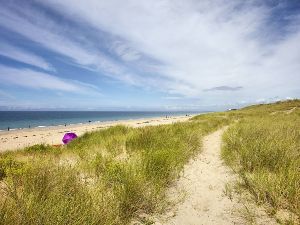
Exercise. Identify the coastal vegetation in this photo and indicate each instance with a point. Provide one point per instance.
(114, 175)
(263, 147)
(104, 177)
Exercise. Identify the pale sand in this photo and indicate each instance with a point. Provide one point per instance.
(205, 202)
(16, 139)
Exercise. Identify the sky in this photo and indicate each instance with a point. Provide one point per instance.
(148, 55)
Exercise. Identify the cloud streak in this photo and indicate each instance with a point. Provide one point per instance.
(201, 43)
(224, 88)
(177, 47)
(38, 80)
(24, 56)
(60, 39)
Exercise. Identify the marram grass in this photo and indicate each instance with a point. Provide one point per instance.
(113, 175)
(263, 147)
(104, 177)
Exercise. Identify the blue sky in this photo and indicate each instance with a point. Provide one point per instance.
(140, 54)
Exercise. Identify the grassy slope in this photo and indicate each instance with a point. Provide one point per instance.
(103, 177)
(263, 147)
(111, 176)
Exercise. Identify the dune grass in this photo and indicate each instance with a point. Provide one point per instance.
(263, 147)
(114, 175)
(104, 177)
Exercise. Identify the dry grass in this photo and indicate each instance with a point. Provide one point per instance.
(264, 149)
(104, 177)
(112, 176)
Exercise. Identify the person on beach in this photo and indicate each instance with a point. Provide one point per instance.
(7, 128)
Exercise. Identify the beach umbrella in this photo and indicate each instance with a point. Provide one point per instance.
(68, 137)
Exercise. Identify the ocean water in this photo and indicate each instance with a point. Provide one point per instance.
(26, 119)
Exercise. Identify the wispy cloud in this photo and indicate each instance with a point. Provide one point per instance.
(124, 51)
(39, 80)
(201, 43)
(224, 88)
(24, 56)
(172, 97)
(60, 39)
(4, 95)
(191, 49)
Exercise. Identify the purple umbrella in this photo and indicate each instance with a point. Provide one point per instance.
(68, 137)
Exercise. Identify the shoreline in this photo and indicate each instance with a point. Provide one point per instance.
(16, 139)
(10, 126)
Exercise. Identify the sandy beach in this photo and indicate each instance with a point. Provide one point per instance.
(20, 138)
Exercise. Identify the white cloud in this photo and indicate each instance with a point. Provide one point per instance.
(201, 44)
(39, 80)
(24, 56)
(4, 95)
(172, 97)
(125, 52)
(192, 45)
(55, 37)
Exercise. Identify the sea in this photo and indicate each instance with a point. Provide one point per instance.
(30, 119)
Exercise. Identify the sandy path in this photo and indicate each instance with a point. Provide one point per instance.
(205, 201)
(204, 180)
